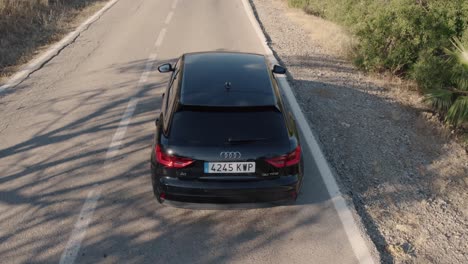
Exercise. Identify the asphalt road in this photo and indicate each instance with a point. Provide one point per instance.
(75, 141)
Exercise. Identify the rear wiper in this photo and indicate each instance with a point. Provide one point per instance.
(244, 140)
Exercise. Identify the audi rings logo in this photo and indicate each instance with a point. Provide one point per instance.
(230, 155)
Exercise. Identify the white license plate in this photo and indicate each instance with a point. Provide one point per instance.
(229, 167)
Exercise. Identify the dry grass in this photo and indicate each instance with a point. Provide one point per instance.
(26, 25)
(333, 38)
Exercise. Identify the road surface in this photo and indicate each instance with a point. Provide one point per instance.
(75, 142)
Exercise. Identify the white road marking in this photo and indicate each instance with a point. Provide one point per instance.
(152, 57)
(79, 231)
(34, 65)
(174, 4)
(160, 38)
(350, 226)
(116, 142)
(169, 17)
(81, 226)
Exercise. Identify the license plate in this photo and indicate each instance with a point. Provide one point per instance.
(229, 167)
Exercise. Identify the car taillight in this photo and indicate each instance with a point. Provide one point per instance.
(287, 160)
(171, 161)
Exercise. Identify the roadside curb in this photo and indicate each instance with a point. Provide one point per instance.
(350, 225)
(53, 51)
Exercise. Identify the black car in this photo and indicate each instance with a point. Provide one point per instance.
(224, 135)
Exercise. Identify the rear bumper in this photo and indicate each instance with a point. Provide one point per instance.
(189, 193)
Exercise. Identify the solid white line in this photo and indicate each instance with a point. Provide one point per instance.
(54, 50)
(350, 226)
(174, 4)
(160, 38)
(169, 17)
(81, 226)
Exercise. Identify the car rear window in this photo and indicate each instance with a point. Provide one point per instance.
(215, 128)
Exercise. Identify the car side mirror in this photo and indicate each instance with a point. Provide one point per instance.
(279, 69)
(166, 67)
(156, 122)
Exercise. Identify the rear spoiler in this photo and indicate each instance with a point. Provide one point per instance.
(202, 108)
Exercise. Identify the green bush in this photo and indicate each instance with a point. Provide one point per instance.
(453, 99)
(406, 37)
(427, 71)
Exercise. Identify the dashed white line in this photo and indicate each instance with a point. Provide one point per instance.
(114, 147)
(169, 17)
(174, 4)
(160, 38)
(79, 232)
(151, 58)
(116, 142)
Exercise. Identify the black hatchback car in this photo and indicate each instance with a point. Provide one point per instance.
(224, 134)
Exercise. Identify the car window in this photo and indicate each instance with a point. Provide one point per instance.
(174, 85)
(171, 96)
(214, 128)
(170, 89)
(170, 93)
(173, 91)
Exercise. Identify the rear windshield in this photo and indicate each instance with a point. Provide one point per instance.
(215, 128)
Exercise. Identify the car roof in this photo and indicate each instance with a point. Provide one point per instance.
(226, 79)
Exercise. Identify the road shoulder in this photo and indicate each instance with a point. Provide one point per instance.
(393, 163)
(32, 57)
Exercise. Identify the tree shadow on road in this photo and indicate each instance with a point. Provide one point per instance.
(46, 177)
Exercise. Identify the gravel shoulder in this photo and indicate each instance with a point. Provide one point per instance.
(405, 175)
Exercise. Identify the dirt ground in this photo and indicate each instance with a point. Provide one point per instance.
(27, 30)
(406, 176)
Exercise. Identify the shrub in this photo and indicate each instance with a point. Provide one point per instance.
(454, 98)
(406, 37)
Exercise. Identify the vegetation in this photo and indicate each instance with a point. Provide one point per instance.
(454, 100)
(26, 25)
(424, 40)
